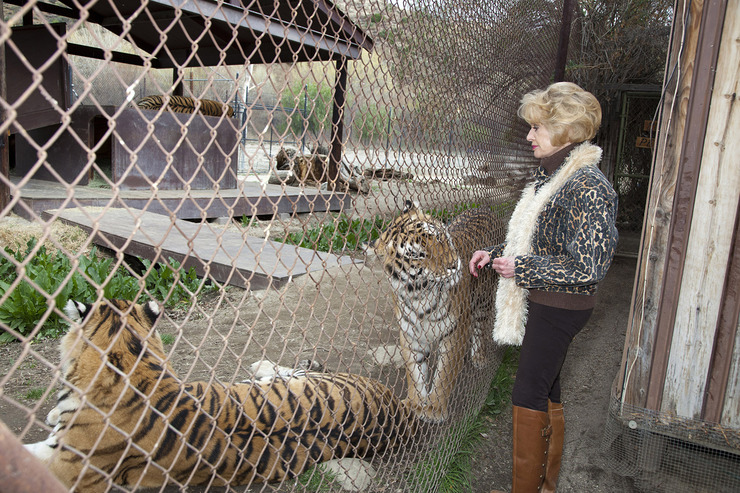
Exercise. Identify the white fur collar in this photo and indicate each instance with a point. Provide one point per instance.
(511, 300)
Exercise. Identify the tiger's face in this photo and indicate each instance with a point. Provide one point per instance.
(418, 246)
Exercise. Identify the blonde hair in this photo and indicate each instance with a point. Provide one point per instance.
(569, 113)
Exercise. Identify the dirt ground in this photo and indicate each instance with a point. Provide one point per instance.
(345, 316)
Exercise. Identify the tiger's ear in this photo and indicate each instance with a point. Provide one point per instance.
(75, 310)
(408, 205)
(152, 311)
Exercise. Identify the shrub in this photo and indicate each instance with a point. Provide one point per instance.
(35, 281)
(344, 234)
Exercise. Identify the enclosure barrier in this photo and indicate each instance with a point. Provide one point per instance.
(227, 165)
(664, 452)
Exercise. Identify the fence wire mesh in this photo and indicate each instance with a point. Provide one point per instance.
(233, 163)
(664, 452)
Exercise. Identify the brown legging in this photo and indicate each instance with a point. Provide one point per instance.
(548, 334)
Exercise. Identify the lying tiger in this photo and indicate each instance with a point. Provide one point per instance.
(125, 415)
(442, 310)
(185, 104)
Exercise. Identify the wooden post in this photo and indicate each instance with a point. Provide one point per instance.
(562, 53)
(4, 144)
(337, 121)
(21, 472)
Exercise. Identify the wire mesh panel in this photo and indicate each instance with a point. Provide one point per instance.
(634, 155)
(236, 236)
(664, 452)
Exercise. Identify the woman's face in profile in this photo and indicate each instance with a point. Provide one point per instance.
(540, 138)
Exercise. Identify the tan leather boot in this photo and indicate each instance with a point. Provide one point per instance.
(555, 447)
(531, 436)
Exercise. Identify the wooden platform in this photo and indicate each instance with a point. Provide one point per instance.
(248, 199)
(225, 256)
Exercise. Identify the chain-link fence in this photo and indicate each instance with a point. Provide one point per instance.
(128, 176)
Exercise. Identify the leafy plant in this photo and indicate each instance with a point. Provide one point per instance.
(170, 283)
(344, 234)
(34, 281)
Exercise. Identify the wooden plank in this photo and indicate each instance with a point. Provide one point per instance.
(722, 147)
(225, 256)
(632, 382)
(708, 33)
(248, 199)
(723, 382)
(707, 253)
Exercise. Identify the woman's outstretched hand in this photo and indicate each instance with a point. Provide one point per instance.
(479, 260)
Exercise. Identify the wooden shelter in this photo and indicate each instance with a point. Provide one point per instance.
(681, 359)
(171, 35)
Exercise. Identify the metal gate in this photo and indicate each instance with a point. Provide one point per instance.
(637, 128)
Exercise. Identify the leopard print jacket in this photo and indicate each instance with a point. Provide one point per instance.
(575, 237)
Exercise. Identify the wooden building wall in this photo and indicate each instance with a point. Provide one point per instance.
(682, 351)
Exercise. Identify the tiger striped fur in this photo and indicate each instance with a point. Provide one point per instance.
(124, 417)
(442, 310)
(184, 104)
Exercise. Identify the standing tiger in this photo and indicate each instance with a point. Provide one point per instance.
(124, 416)
(437, 304)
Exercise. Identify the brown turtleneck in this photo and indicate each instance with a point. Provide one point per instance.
(554, 161)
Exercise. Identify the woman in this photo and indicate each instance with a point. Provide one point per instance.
(560, 243)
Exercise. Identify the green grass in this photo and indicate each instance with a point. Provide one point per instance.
(35, 394)
(317, 479)
(167, 339)
(450, 463)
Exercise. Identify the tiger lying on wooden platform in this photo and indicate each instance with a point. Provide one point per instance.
(125, 417)
(185, 104)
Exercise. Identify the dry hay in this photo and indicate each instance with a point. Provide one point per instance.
(15, 232)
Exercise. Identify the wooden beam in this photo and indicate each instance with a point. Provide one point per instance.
(337, 121)
(115, 56)
(697, 113)
(562, 53)
(4, 135)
